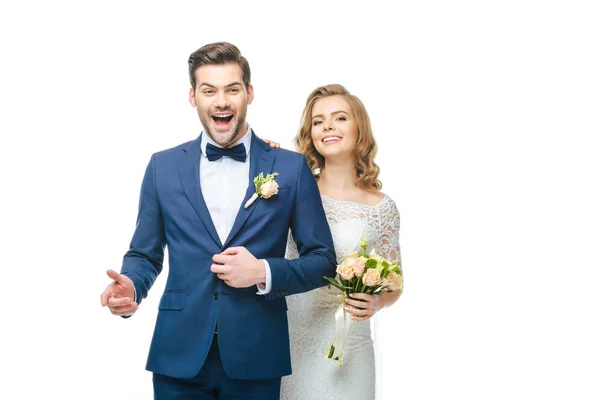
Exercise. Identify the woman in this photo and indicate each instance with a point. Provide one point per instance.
(336, 137)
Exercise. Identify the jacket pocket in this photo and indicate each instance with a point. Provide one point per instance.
(269, 306)
(284, 191)
(172, 300)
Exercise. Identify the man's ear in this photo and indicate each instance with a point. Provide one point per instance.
(250, 93)
(192, 97)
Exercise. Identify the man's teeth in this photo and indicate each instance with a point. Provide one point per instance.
(223, 116)
(331, 138)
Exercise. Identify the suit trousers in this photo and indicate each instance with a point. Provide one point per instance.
(212, 383)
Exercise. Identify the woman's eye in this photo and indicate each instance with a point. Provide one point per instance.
(315, 123)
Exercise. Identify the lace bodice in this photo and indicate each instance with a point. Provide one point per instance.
(311, 314)
(349, 222)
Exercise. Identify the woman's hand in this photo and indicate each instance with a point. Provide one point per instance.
(272, 143)
(364, 306)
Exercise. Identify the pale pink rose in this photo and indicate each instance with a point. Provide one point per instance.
(268, 189)
(371, 277)
(392, 279)
(346, 269)
(395, 281)
(359, 266)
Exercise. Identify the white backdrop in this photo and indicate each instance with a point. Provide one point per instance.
(486, 114)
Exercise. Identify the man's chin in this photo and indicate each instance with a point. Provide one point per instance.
(222, 138)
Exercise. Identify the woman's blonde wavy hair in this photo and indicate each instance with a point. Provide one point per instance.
(367, 172)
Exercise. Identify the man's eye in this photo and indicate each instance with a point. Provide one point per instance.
(208, 91)
(234, 90)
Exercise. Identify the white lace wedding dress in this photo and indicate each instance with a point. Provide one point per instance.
(311, 314)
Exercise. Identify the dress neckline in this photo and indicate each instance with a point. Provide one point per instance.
(354, 202)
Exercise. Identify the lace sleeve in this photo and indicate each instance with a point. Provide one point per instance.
(388, 244)
(291, 251)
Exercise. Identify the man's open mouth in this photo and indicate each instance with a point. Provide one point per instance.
(222, 119)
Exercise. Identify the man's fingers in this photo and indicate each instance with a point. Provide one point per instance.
(124, 310)
(105, 296)
(232, 250)
(219, 269)
(119, 301)
(115, 276)
(128, 307)
(222, 258)
(230, 283)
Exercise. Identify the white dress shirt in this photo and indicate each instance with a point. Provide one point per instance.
(223, 183)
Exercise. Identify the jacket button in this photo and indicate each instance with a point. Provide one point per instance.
(216, 295)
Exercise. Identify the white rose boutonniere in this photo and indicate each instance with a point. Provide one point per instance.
(265, 187)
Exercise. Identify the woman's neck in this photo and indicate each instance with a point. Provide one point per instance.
(337, 179)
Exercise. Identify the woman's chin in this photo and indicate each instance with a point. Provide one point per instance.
(335, 152)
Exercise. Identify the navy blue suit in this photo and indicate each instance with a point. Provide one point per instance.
(252, 329)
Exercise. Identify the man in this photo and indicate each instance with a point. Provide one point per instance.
(221, 331)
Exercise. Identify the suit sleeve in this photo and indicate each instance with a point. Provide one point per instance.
(144, 260)
(313, 237)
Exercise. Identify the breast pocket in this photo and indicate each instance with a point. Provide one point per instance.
(276, 206)
(284, 191)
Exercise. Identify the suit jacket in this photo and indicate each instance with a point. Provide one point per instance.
(253, 331)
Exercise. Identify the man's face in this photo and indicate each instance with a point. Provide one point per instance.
(221, 100)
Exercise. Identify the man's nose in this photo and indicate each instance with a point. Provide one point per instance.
(221, 101)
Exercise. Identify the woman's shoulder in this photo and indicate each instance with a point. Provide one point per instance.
(374, 198)
(385, 202)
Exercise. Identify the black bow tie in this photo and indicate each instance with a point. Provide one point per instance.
(238, 152)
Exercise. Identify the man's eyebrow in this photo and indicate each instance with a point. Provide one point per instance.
(213, 86)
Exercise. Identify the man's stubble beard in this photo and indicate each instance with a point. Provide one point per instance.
(239, 125)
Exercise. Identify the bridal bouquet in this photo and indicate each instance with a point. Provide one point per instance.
(360, 273)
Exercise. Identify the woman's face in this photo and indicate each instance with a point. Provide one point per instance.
(334, 129)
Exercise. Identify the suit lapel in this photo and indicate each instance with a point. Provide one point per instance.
(189, 174)
(261, 160)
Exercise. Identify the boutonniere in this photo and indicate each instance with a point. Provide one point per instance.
(265, 187)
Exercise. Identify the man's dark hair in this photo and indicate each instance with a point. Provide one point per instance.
(215, 54)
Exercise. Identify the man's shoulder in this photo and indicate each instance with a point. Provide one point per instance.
(176, 150)
(288, 155)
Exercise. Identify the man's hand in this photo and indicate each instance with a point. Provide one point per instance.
(119, 295)
(238, 268)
